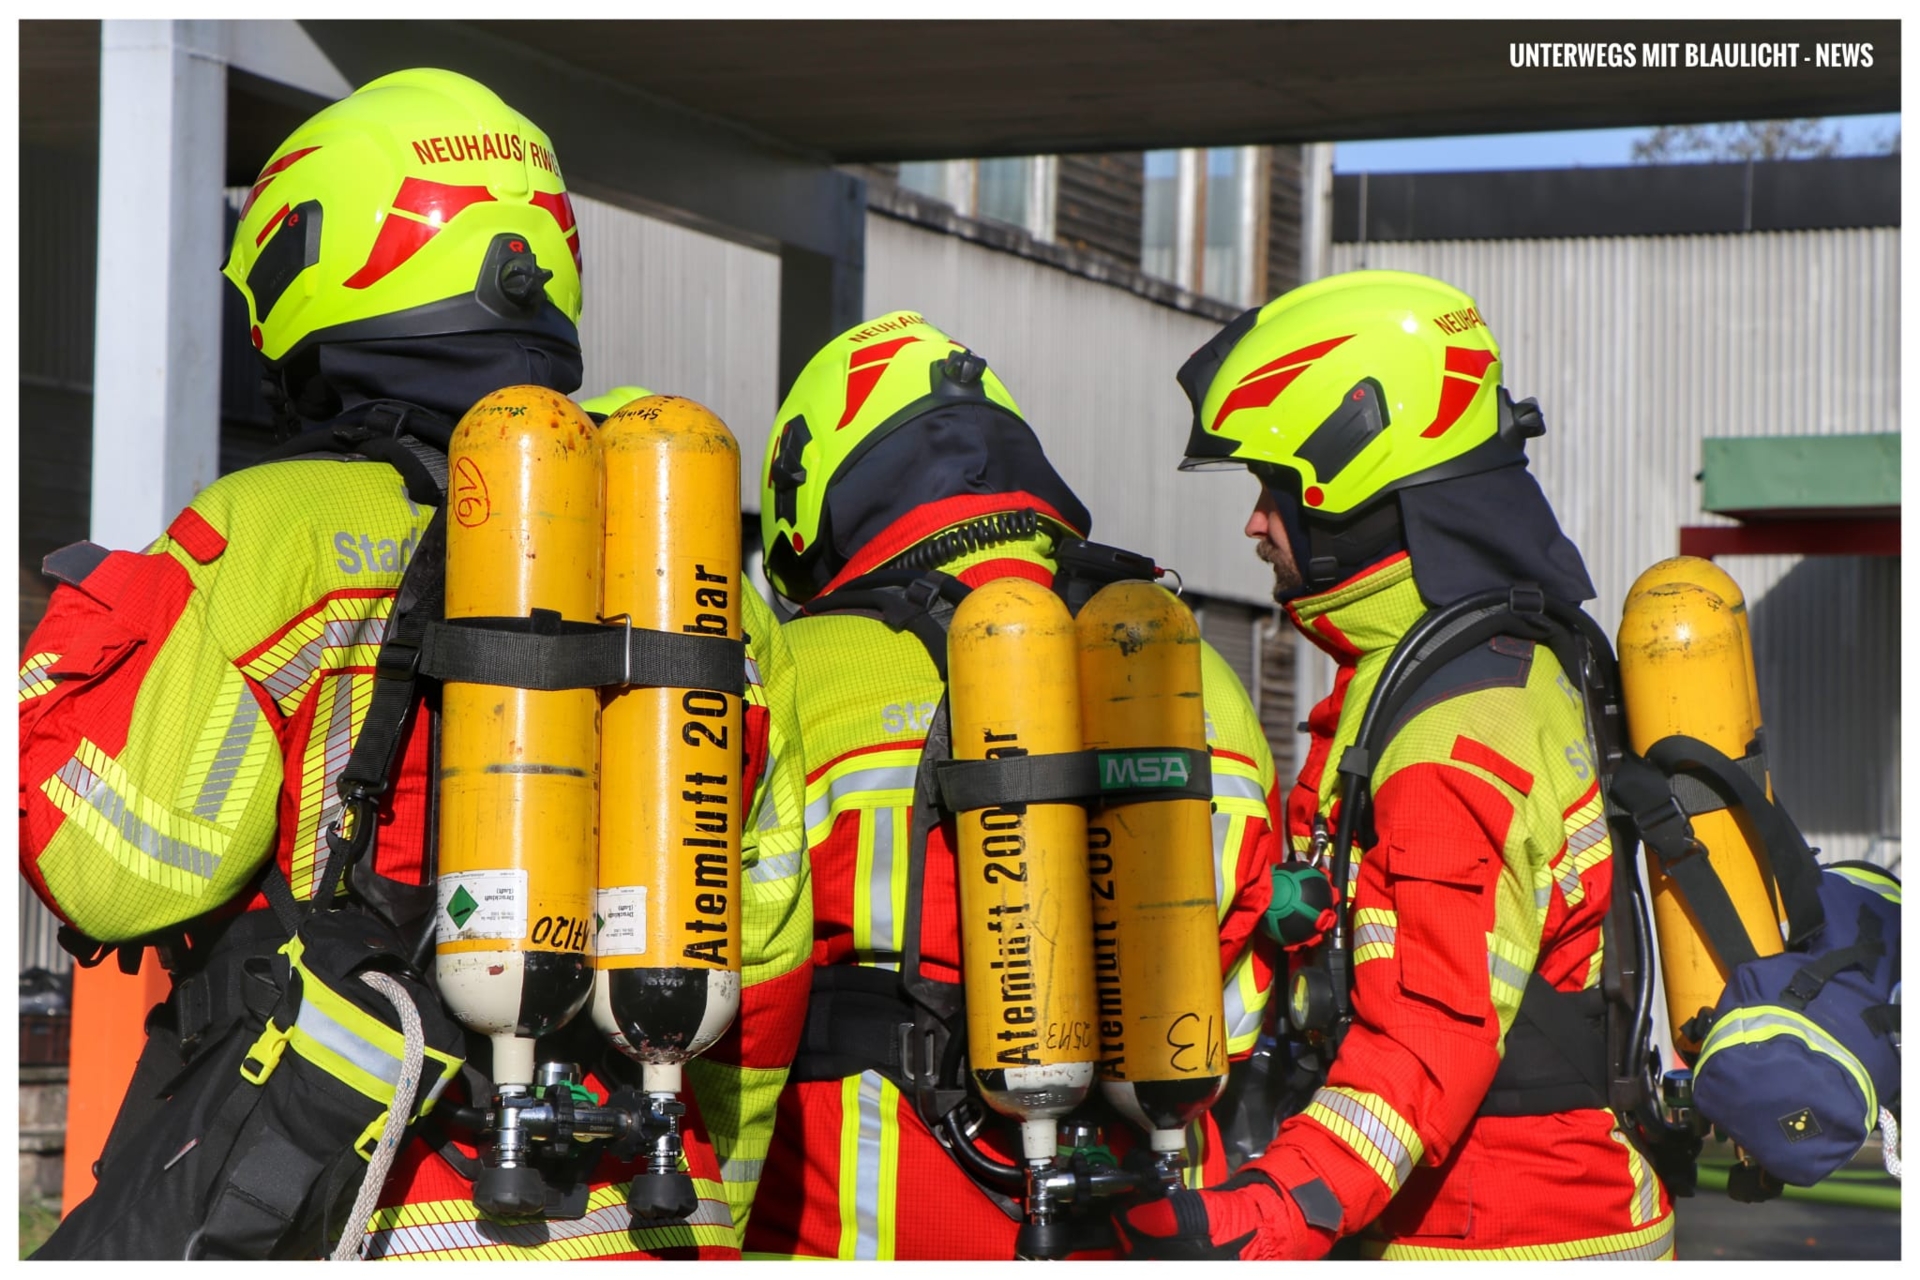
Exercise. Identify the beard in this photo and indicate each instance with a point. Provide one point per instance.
(1286, 574)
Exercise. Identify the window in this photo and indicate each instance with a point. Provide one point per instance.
(1200, 222)
(1017, 190)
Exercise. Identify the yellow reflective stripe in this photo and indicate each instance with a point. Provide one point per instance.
(1593, 966)
(869, 1164)
(1244, 1002)
(345, 632)
(338, 712)
(1878, 881)
(1302, 845)
(880, 882)
(1372, 1129)
(145, 837)
(874, 779)
(1646, 1244)
(1508, 965)
(1643, 1204)
(1753, 1026)
(1374, 930)
(454, 1230)
(34, 680)
(1194, 1176)
(231, 756)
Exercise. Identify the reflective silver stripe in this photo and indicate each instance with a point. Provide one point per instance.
(335, 633)
(1649, 1189)
(1222, 828)
(753, 672)
(1374, 1128)
(1233, 784)
(866, 1227)
(1369, 934)
(228, 759)
(614, 1221)
(34, 673)
(1506, 971)
(1587, 837)
(104, 800)
(1654, 1248)
(888, 778)
(294, 671)
(768, 870)
(741, 1171)
(880, 931)
(320, 1026)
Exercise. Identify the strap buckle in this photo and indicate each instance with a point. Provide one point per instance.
(397, 660)
(626, 646)
(1666, 826)
(1528, 599)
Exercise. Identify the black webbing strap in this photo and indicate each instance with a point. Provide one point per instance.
(1696, 797)
(1641, 790)
(544, 651)
(1119, 776)
(1794, 869)
(1864, 954)
(857, 1020)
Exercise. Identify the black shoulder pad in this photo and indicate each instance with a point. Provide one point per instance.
(1504, 662)
(73, 563)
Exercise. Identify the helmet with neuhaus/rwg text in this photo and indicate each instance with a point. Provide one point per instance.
(420, 205)
(1358, 385)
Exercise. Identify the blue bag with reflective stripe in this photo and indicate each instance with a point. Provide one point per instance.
(1804, 1049)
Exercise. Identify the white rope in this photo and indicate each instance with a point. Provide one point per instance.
(412, 1058)
(1890, 1141)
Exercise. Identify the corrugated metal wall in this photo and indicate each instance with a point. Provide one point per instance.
(684, 313)
(1092, 368)
(1637, 348)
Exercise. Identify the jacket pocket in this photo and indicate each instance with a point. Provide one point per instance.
(1439, 887)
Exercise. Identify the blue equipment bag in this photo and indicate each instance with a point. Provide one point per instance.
(1805, 1045)
(1802, 1052)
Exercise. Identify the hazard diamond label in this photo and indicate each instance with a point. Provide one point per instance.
(460, 906)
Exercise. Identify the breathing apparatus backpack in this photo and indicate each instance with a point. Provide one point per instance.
(301, 1045)
(910, 1028)
(1565, 1050)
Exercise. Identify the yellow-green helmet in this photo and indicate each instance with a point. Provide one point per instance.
(419, 205)
(611, 402)
(856, 391)
(1358, 385)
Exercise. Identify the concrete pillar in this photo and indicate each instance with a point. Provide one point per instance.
(156, 401)
(1316, 210)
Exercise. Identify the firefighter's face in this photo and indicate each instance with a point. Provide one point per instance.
(1264, 526)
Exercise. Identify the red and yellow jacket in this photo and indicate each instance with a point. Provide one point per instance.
(1492, 861)
(185, 713)
(860, 1174)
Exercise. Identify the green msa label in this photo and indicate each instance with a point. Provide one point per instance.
(1128, 770)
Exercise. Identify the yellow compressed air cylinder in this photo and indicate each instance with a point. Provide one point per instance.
(668, 948)
(1156, 933)
(1026, 925)
(517, 766)
(1686, 667)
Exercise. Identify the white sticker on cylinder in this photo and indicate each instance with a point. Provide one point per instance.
(482, 904)
(623, 921)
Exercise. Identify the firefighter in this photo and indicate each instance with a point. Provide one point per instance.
(1393, 481)
(407, 251)
(899, 452)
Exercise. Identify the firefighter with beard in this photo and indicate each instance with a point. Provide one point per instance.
(900, 456)
(1393, 481)
(406, 252)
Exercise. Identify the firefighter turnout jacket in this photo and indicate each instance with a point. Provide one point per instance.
(1492, 862)
(860, 1173)
(184, 716)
